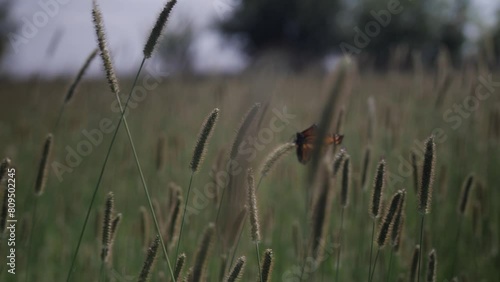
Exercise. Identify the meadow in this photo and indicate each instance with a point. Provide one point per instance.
(392, 114)
(214, 178)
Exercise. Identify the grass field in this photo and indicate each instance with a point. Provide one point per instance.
(392, 114)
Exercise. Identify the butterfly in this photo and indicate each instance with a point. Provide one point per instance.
(305, 142)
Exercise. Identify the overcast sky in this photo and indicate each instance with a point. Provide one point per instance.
(127, 23)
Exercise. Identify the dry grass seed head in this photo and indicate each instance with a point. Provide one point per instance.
(338, 160)
(366, 164)
(203, 139)
(267, 265)
(427, 180)
(145, 226)
(203, 253)
(388, 221)
(378, 187)
(43, 168)
(4, 167)
(321, 218)
(414, 166)
(414, 263)
(274, 156)
(72, 89)
(237, 270)
(181, 260)
(150, 260)
(464, 198)
(174, 222)
(107, 226)
(398, 220)
(101, 41)
(242, 129)
(252, 203)
(158, 28)
(432, 266)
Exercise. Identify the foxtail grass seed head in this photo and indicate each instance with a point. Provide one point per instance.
(237, 270)
(388, 221)
(346, 179)
(464, 198)
(398, 220)
(414, 166)
(366, 164)
(274, 157)
(158, 28)
(338, 160)
(150, 260)
(378, 187)
(397, 241)
(43, 168)
(267, 265)
(203, 138)
(202, 254)
(174, 222)
(4, 212)
(79, 76)
(103, 47)
(114, 225)
(432, 266)
(414, 263)
(4, 167)
(181, 260)
(242, 129)
(189, 275)
(427, 180)
(321, 218)
(107, 226)
(252, 203)
(144, 226)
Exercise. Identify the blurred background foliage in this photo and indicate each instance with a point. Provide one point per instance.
(304, 32)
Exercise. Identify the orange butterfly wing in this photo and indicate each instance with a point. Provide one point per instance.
(334, 139)
(305, 142)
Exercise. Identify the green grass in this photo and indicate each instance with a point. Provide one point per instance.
(177, 108)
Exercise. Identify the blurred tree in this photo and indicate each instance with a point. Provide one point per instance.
(306, 29)
(424, 25)
(495, 42)
(6, 25)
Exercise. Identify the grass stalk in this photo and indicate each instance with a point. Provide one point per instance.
(258, 259)
(390, 265)
(374, 265)
(184, 214)
(371, 250)
(421, 246)
(340, 244)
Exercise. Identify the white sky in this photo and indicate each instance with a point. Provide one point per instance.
(127, 23)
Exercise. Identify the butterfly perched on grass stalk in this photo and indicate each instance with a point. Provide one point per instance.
(305, 142)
